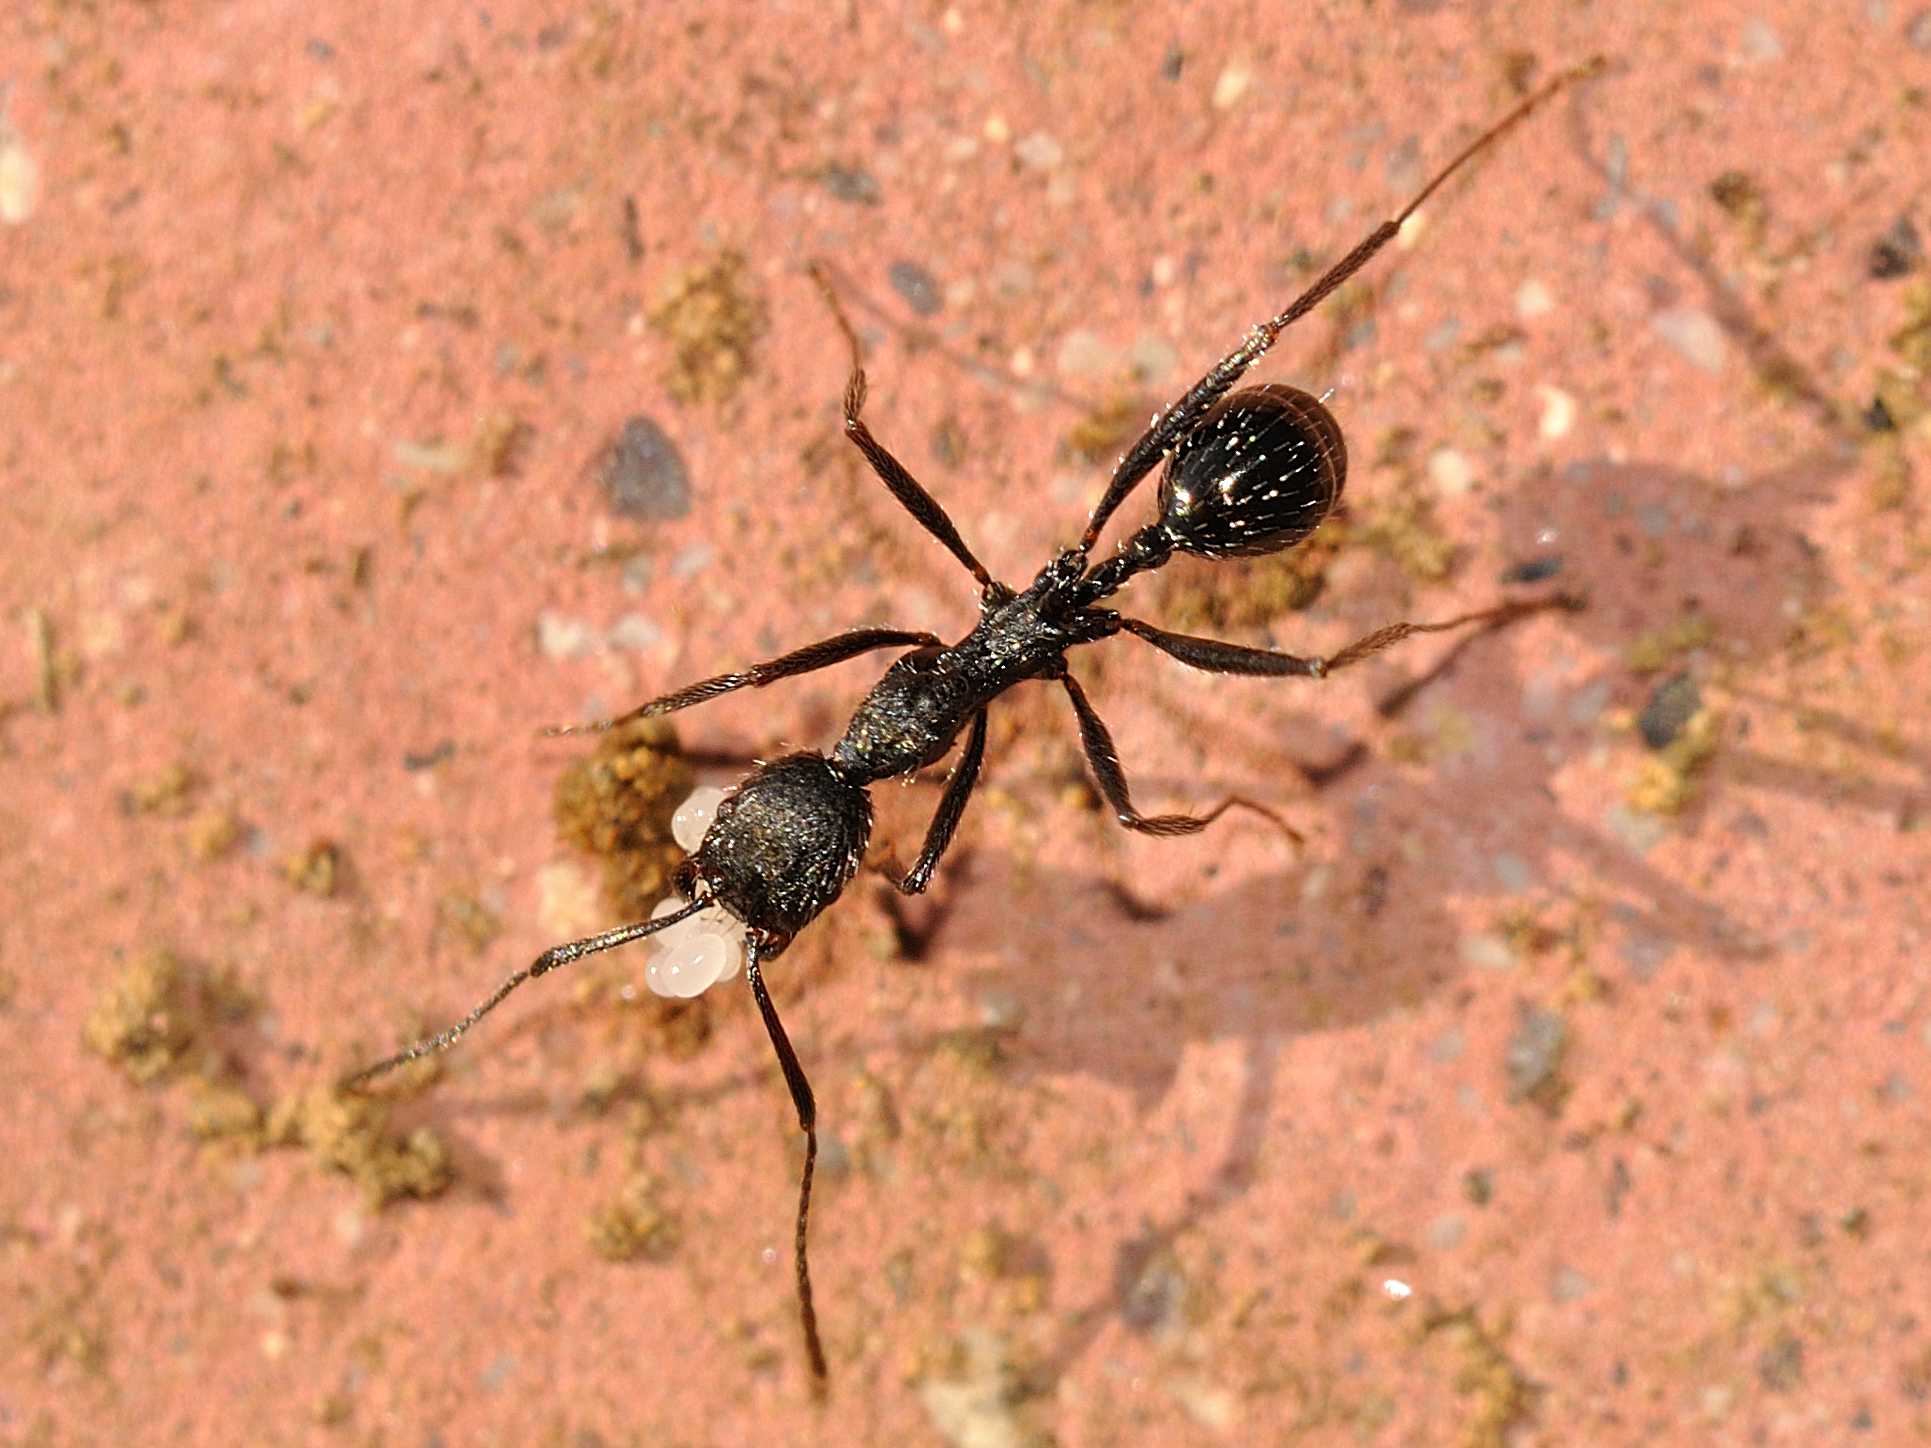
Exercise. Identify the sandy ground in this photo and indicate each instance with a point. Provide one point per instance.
(1569, 1084)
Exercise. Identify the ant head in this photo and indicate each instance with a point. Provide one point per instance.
(1258, 474)
(782, 845)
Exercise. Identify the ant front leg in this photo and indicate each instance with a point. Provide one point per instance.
(910, 493)
(1104, 758)
(820, 655)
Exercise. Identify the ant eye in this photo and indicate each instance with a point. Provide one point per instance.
(1257, 475)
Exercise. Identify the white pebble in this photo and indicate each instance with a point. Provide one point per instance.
(1695, 334)
(19, 177)
(1231, 85)
(1451, 472)
(1533, 299)
(1040, 151)
(1558, 411)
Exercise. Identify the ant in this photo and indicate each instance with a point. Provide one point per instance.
(1248, 472)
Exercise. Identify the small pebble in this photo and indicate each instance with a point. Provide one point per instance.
(1644, 954)
(1083, 354)
(1153, 357)
(1640, 832)
(1558, 411)
(1695, 334)
(1451, 472)
(643, 474)
(1533, 299)
(851, 183)
(1533, 570)
(1232, 84)
(917, 286)
(497, 1373)
(1780, 1366)
(1535, 1051)
(1490, 952)
(634, 633)
(1570, 1285)
(559, 636)
(1760, 42)
(1898, 252)
(1671, 705)
(1589, 702)
(19, 178)
(1513, 872)
(1040, 152)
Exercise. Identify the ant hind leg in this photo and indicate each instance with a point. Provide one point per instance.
(1104, 759)
(1216, 656)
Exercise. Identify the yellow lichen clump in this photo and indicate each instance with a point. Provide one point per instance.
(711, 320)
(617, 805)
(1668, 781)
(143, 1021)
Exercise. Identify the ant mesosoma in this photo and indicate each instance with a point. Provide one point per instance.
(1248, 472)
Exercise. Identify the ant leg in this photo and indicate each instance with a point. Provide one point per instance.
(801, 1097)
(1175, 422)
(911, 495)
(1488, 618)
(951, 806)
(1215, 656)
(1105, 761)
(834, 650)
(555, 956)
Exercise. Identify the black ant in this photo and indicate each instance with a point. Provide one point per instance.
(1247, 473)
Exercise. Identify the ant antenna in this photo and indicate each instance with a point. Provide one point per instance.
(555, 956)
(1180, 419)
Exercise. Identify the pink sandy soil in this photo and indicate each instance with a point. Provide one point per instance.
(1501, 1111)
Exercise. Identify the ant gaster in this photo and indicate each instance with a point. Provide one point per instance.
(1246, 473)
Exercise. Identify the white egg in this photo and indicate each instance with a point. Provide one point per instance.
(688, 958)
(693, 817)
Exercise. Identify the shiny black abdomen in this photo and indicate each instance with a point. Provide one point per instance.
(1259, 473)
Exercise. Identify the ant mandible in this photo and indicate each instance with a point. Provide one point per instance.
(1248, 472)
